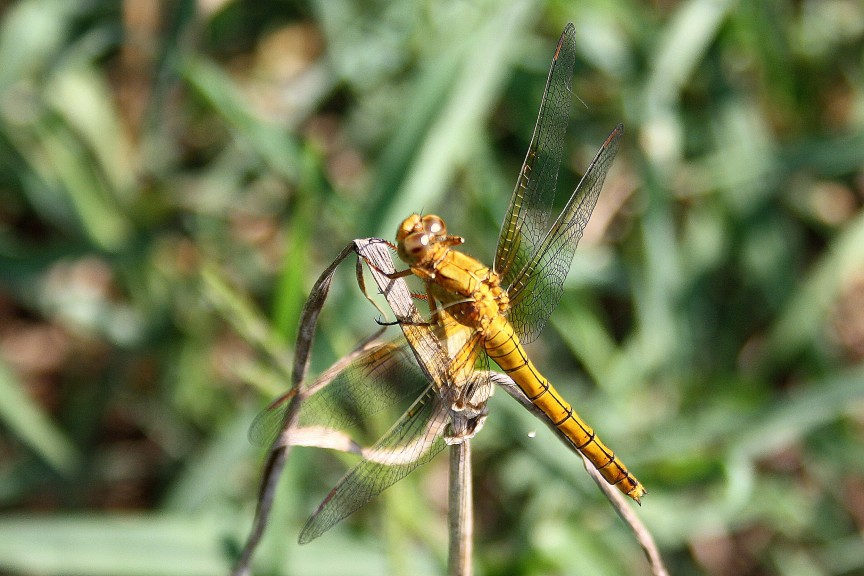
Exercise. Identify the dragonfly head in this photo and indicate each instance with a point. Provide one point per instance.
(417, 234)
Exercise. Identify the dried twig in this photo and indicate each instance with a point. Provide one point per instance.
(278, 453)
(619, 503)
(461, 511)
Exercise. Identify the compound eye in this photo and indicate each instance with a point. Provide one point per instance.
(434, 225)
(415, 244)
(407, 227)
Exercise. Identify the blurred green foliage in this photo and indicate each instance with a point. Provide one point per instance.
(174, 175)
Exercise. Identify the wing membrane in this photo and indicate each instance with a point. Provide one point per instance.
(414, 440)
(528, 215)
(384, 375)
(537, 287)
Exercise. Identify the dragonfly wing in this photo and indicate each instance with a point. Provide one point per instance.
(379, 376)
(536, 288)
(427, 342)
(414, 440)
(528, 215)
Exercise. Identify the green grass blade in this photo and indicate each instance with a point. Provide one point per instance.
(29, 423)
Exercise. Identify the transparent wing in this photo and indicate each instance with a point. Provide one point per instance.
(469, 362)
(414, 440)
(528, 216)
(417, 437)
(536, 288)
(380, 376)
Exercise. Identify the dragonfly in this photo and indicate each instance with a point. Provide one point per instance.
(494, 311)
(440, 368)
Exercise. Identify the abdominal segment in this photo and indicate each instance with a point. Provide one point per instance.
(502, 345)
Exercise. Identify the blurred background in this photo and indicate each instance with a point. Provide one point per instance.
(175, 175)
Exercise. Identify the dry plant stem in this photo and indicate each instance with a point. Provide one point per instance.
(278, 453)
(309, 315)
(625, 511)
(269, 480)
(461, 522)
(621, 505)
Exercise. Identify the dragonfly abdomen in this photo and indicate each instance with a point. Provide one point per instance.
(503, 346)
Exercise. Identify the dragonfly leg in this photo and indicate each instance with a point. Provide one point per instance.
(361, 282)
(390, 275)
(404, 322)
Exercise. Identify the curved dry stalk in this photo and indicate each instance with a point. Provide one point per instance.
(278, 454)
(619, 503)
(269, 480)
(626, 513)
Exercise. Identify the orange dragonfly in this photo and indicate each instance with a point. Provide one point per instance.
(478, 313)
(496, 310)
